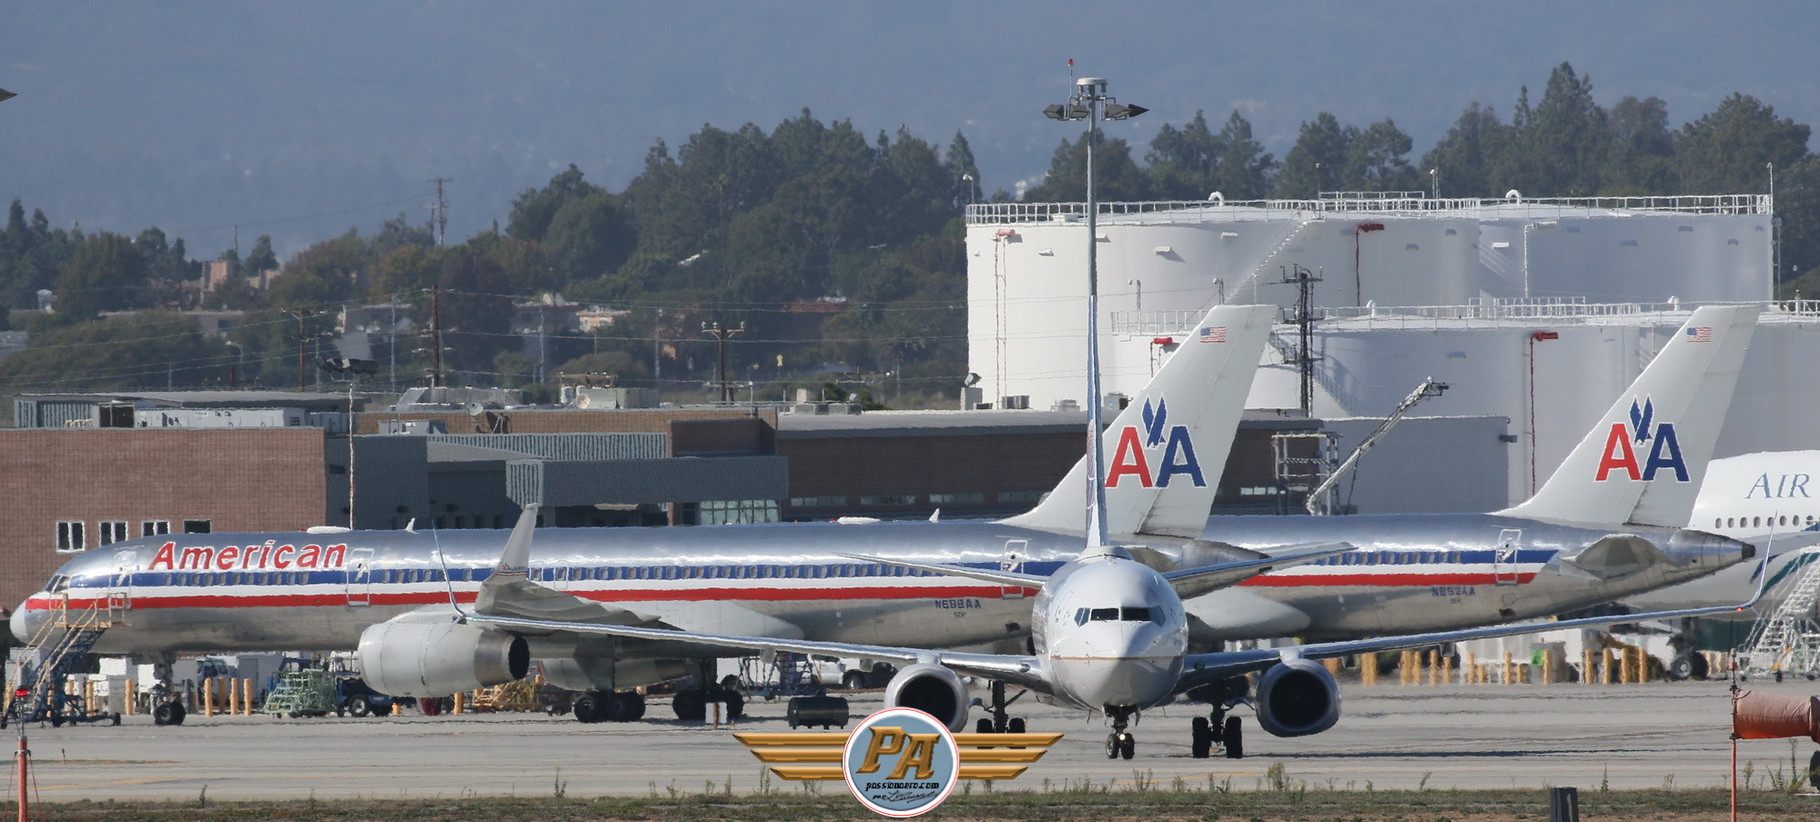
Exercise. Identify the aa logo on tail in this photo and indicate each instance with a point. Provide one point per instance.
(1620, 454)
(1131, 457)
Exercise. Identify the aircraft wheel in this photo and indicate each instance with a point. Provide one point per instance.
(56, 720)
(622, 707)
(1234, 738)
(1016, 725)
(1813, 770)
(588, 707)
(1112, 746)
(983, 726)
(691, 705)
(1699, 668)
(1679, 669)
(1127, 746)
(736, 704)
(1200, 735)
(115, 719)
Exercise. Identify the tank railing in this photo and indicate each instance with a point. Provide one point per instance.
(1172, 323)
(1374, 203)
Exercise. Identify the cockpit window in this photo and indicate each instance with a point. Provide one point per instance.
(1134, 614)
(58, 584)
(1103, 615)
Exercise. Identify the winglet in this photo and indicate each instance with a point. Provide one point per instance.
(1166, 450)
(1642, 464)
(514, 565)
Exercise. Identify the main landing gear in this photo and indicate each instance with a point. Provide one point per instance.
(1000, 721)
(1217, 730)
(609, 706)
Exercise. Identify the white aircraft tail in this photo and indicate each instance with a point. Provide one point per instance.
(1644, 461)
(1166, 450)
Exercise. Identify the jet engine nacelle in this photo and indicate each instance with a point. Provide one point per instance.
(932, 689)
(405, 657)
(1297, 697)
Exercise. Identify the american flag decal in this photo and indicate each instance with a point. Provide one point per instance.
(1700, 333)
(1213, 334)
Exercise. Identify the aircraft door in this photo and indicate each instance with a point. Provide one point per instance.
(360, 576)
(1504, 559)
(1013, 560)
(120, 591)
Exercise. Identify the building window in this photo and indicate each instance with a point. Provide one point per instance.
(818, 502)
(112, 531)
(70, 538)
(974, 498)
(1020, 496)
(153, 527)
(198, 526)
(888, 499)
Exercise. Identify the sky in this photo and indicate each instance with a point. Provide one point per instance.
(219, 121)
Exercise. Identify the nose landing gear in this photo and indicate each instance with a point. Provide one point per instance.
(1120, 744)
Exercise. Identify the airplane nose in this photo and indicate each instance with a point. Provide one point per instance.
(25, 622)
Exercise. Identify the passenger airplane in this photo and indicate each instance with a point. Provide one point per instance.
(1768, 496)
(1611, 522)
(1110, 635)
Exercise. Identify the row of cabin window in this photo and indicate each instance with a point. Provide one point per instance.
(391, 576)
(72, 535)
(1392, 558)
(1758, 522)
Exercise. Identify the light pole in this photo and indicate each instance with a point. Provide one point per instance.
(1090, 102)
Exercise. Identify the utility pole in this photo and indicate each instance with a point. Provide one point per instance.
(720, 335)
(435, 335)
(302, 337)
(1303, 317)
(440, 215)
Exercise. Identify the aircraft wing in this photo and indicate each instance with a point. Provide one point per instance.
(1188, 582)
(1025, 671)
(1193, 582)
(1200, 669)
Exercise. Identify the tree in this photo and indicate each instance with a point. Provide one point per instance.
(150, 349)
(589, 236)
(1116, 177)
(261, 258)
(106, 273)
(533, 210)
(1244, 169)
(963, 171)
(1464, 159)
(1726, 151)
(1641, 159)
(1375, 160)
(1563, 146)
(1317, 161)
(1184, 164)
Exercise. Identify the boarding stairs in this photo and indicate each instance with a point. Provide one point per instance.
(1788, 640)
(63, 644)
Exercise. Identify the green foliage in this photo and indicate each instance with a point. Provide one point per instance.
(103, 274)
(152, 348)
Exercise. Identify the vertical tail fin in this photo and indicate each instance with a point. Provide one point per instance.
(1166, 450)
(1643, 463)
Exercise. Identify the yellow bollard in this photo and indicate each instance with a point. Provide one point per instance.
(1472, 668)
(208, 697)
(1368, 669)
(461, 701)
(1446, 671)
(246, 697)
(132, 692)
(1586, 666)
(1507, 668)
(1605, 665)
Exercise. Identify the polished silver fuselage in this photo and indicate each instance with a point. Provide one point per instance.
(1410, 574)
